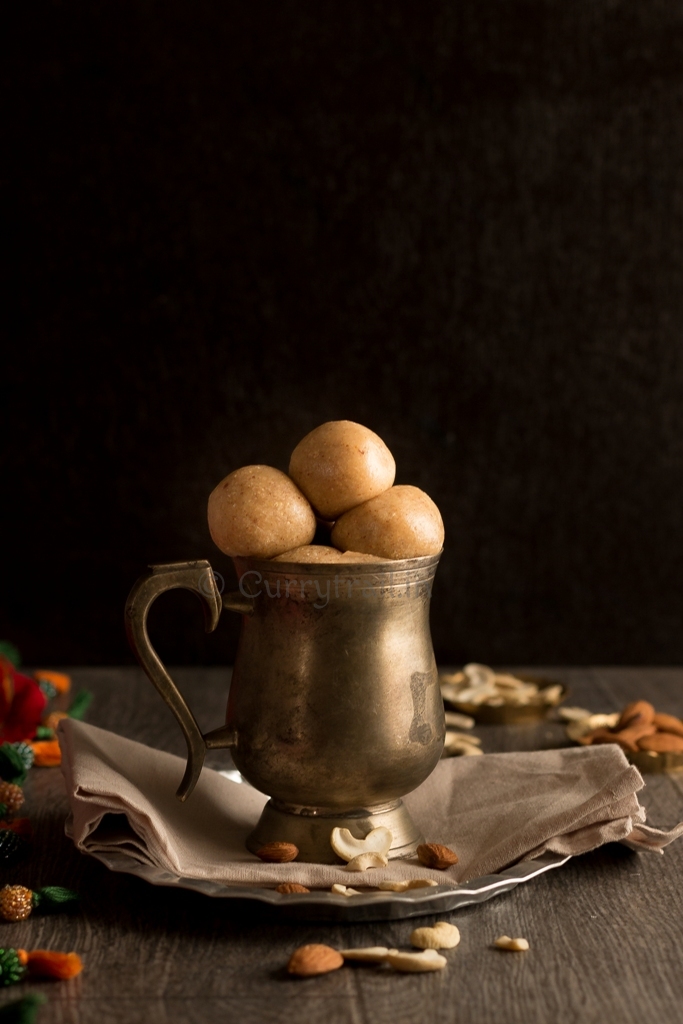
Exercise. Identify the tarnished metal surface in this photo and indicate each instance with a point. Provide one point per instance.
(335, 708)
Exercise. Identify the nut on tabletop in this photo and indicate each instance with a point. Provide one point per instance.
(512, 945)
(289, 887)
(307, 961)
(435, 855)
(416, 963)
(442, 935)
(278, 853)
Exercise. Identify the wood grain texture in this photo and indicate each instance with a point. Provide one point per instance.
(605, 930)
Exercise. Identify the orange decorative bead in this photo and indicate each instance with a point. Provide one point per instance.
(53, 719)
(11, 796)
(16, 902)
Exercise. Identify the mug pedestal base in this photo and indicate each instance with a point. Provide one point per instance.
(309, 828)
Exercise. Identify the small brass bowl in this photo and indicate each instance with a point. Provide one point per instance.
(651, 761)
(512, 714)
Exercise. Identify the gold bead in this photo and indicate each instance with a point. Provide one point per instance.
(11, 796)
(16, 902)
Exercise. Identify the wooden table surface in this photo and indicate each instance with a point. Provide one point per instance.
(606, 930)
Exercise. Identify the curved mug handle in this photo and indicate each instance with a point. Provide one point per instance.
(199, 578)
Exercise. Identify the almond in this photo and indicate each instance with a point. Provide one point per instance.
(287, 887)
(637, 712)
(598, 735)
(628, 738)
(662, 743)
(307, 961)
(278, 853)
(668, 723)
(434, 855)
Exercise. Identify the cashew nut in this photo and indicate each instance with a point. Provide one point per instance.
(516, 945)
(461, 743)
(454, 720)
(442, 935)
(343, 890)
(346, 846)
(411, 883)
(427, 960)
(367, 860)
(373, 954)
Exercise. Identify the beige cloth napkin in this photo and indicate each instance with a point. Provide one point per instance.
(493, 811)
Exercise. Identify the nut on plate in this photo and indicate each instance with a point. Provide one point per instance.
(436, 855)
(307, 961)
(402, 885)
(662, 743)
(343, 890)
(278, 853)
(347, 846)
(289, 887)
(442, 935)
(367, 860)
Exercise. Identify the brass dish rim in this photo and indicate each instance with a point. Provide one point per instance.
(652, 761)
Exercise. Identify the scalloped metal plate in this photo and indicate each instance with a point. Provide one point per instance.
(371, 906)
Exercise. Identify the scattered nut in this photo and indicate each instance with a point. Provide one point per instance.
(552, 694)
(278, 853)
(637, 729)
(427, 960)
(479, 684)
(344, 890)
(668, 723)
(441, 936)
(580, 727)
(452, 678)
(638, 712)
(454, 720)
(514, 945)
(346, 846)
(573, 714)
(307, 961)
(662, 743)
(406, 883)
(367, 860)
(371, 954)
(434, 855)
(289, 887)
(458, 743)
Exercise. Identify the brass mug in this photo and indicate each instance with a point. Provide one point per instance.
(334, 709)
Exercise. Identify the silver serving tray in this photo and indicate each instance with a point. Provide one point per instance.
(371, 906)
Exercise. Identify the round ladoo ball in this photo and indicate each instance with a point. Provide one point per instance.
(403, 522)
(321, 553)
(258, 512)
(341, 464)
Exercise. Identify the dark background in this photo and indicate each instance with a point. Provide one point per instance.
(457, 223)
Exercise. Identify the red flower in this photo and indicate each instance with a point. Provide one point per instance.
(22, 703)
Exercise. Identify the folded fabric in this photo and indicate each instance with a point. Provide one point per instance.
(493, 811)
